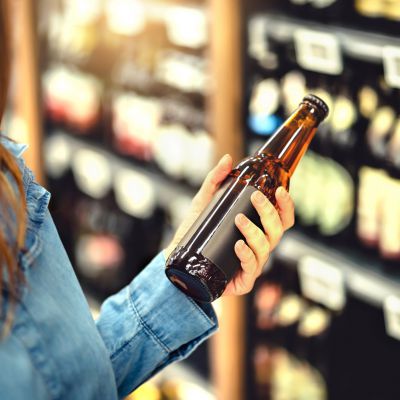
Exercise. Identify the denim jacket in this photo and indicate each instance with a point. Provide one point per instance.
(57, 351)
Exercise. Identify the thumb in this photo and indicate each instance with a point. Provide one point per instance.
(214, 178)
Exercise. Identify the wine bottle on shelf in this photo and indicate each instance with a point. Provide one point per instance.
(264, 104)
(378, 134)
(312, 339)
(391, 10)
(378, 15)
(369, 205)
(73, 100)
(394, 150)
(345, 116)
(389, 234)
(204, 261)
(370, 8)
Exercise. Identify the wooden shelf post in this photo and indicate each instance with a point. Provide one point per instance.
(225, 106)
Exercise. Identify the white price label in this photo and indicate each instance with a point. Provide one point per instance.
(322, 282)
(391, 309)
(318, 51)
(259, 47)
(391, 65)
(258, 43)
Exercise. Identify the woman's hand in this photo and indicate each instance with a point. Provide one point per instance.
(209, 187)
(254, 252)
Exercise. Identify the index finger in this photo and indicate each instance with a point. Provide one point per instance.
(285, 207)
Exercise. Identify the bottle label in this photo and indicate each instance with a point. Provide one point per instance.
(217, 244)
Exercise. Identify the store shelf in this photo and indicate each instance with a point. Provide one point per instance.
(167, 189)
(362, 277)
(196, 386)
(366, 46)
(156, 9)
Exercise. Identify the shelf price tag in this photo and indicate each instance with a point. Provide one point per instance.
(259, 47)
(322, 282)
(391, 65)
(391, 310)
(318, 51)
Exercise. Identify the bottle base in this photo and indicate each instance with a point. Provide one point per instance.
(190, 285)
(196, 276)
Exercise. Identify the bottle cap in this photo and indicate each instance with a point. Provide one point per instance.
(321, 106)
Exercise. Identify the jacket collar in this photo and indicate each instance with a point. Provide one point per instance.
(16, 149)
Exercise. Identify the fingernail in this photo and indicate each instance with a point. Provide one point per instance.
(282, 192)
(243, 220)
(224, 159)
(240, 244)
(259, 197)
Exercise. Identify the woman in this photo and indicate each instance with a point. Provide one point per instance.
(51, 348)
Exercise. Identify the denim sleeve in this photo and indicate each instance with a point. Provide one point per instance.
(150, 324)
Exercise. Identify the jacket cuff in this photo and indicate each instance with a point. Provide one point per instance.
(174, 320)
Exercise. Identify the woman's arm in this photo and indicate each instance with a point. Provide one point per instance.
(150, 323)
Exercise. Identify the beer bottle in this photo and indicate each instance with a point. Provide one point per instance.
(205, 261)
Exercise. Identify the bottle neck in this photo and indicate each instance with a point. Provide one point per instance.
(291, 140)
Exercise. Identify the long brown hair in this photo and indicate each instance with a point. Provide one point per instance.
(12, 197)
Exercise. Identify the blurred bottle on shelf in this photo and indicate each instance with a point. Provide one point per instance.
(313, 332)
(73, 100)
(392, 10)
(187, 26)
(369, 205)
(393, 152)
(125, 17)
(370, 8)
(294, 86)
(389, 244)
(107, 215)
(69, 31)
(279, 373)
(378, 213)
(264, 118)
(266, 300)
(135, 121)
(293, 378)
(368, 100)
(380, 15)
(185, 72)
(147, 391)
(330, 211)
(344, 136)
(378, 133)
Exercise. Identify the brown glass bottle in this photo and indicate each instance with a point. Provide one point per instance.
(204, 261)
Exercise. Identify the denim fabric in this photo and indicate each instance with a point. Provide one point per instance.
(56, 351)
